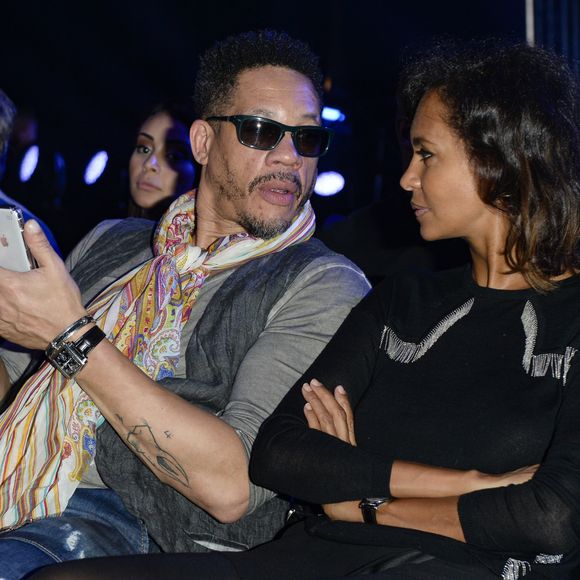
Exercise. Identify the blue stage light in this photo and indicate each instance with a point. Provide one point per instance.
(332, 114)
(95, 167)
(29, 163)
(329, 183)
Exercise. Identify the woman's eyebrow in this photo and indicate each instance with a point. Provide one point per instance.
(419, 140)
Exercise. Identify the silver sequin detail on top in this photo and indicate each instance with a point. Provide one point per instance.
(513, 569)
(548, 558)
(409, 352)
(538, 365)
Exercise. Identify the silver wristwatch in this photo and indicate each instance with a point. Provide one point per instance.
(369, 507)
(70, 357)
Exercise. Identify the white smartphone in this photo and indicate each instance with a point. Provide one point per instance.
(14, 254)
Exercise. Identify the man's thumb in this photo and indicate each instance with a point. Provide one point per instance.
(37, 242)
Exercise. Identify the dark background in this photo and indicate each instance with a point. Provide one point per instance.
(90, 71)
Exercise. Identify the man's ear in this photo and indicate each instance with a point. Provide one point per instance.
(201, 136)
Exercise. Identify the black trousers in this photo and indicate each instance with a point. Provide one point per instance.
(218, 567)
(295, 556)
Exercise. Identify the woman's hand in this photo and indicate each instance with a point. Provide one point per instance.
(515, 477)
(38, 305)
(328, 412)
(331, 413)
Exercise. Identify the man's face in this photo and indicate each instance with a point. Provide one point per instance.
(261, 191)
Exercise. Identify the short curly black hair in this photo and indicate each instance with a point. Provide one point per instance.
(221, 65)
(516, 109)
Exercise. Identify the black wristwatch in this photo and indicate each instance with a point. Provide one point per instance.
(70, 357)
(369, 507)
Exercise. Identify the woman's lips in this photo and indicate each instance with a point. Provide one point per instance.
(147, 186)
(419, 210)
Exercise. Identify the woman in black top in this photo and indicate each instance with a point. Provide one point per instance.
(464, 443)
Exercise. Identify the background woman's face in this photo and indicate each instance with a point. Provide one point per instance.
(161, 165)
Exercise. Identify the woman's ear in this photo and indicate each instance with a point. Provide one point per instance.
(201, 136)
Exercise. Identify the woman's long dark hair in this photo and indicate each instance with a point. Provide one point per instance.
(515, 108)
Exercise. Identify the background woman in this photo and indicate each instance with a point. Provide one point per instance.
(161, 166)
(464, 444)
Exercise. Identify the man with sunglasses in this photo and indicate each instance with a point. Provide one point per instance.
(192, 349)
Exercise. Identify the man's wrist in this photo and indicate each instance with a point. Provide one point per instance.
(68, 355)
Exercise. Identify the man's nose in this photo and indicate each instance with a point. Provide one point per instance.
(285, 152)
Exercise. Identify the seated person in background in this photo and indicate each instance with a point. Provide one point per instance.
(205, 333)
(7, 114)
(161, 167)
(461, 459)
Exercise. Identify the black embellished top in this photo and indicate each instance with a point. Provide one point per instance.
(443, 372)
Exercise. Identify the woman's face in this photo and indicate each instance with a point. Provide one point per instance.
(161, 165)
(444, 190)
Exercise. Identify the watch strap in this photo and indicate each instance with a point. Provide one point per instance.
(369, 507)
(89, 340)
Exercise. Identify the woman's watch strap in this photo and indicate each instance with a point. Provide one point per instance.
(369, 507)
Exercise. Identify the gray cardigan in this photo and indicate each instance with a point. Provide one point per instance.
(231, 323)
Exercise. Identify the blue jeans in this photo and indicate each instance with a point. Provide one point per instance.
(95, 523)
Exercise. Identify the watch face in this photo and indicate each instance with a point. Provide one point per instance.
(374, 502)
(68, 360)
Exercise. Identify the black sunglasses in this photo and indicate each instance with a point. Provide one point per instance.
(265, 134)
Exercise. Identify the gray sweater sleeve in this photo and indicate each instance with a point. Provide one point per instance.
(299, 326)
(85, 244)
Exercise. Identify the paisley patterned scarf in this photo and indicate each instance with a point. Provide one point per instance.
(48, 434)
